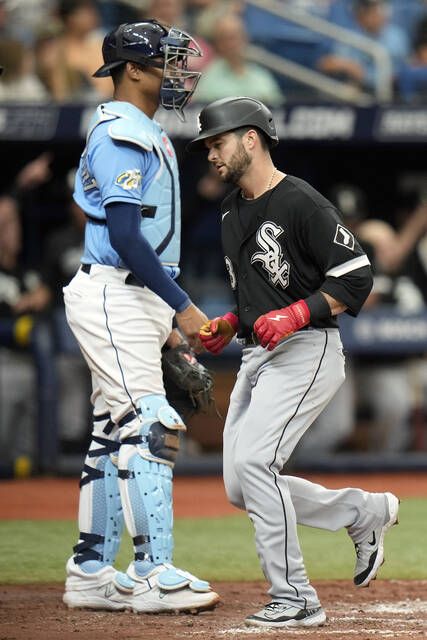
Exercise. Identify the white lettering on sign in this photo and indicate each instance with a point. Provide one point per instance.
(320, 123)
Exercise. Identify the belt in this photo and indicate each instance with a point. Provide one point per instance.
(130, 279)
(253, 340)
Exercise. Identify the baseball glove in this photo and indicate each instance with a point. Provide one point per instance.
(188, 384)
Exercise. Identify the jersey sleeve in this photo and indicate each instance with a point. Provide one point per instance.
(336, 252)
(121, 171)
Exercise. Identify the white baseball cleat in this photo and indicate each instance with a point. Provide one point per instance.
(166, 588)
(370, 552)
(105, 589)
(278, 614)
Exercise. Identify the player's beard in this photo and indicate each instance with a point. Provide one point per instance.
(238, 164)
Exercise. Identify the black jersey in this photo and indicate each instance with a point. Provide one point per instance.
(286, 245)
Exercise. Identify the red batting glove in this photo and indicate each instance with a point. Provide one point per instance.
(281, 323)
(218, 333)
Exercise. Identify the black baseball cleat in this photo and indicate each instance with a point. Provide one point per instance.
(278, 614)
(370, 552)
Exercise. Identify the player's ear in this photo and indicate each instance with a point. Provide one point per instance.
(134, 70)
(251, 137)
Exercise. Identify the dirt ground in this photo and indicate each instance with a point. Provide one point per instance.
(388, 609)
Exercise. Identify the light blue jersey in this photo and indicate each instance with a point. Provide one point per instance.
(129, 158)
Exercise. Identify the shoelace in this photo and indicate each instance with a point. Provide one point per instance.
(273, 606)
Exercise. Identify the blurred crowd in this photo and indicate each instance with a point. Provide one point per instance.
(50, 48)
(44, 383)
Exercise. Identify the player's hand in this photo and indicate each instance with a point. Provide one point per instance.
(275, 325)
(189, 322)
(218, 333)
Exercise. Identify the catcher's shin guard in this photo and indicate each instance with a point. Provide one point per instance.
(100, 510)
(149, 445)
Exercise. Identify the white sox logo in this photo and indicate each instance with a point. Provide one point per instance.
(272, 257)
(344, 237)
(229, 267)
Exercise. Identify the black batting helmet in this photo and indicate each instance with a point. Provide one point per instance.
(232, 113)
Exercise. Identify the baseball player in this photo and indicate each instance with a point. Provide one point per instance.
(120, 306)
(293, 268)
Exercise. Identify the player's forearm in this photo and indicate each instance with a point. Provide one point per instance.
(139, 256)
(335, 306)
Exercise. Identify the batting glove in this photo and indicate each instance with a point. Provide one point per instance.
(275, 325)
(218, 333)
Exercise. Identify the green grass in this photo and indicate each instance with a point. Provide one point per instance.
(215, 549)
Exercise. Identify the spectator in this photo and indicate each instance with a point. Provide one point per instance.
(204, 14)
(20, 19)
(412, 80)
(172, 12)
(23, 296)
(61, 260)
(231, 74)
(203, 265)
(19, 83)
(165, 11)
(371, 19)
(62, 82)
(83, 42)
(376, 387)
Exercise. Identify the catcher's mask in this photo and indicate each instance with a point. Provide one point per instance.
(228, 114)
(146, 42)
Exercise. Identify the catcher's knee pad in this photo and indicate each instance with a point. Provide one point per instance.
(100, 510)
(145, 472)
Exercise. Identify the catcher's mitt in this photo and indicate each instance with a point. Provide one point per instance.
(188, 384)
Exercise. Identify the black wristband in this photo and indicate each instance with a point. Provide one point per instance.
(318, 306)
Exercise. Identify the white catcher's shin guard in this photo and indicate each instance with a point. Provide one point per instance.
(149, 444)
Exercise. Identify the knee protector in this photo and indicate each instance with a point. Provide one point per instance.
(100, 509)
(149, 445)
(159, 430)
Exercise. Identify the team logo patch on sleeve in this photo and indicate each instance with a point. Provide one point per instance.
(344, 238)
(129, 180)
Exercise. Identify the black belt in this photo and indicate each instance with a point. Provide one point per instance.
(253, 340)
(130, 278)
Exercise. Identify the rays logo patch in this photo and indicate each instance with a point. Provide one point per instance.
(129, 180)
(344, 238)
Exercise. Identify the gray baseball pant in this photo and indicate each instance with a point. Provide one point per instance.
(276, 398)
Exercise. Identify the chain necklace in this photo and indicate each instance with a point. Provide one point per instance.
(272, 178)
(268, 186)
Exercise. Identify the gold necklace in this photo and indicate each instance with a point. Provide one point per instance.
(272, 178)
(268, 186)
